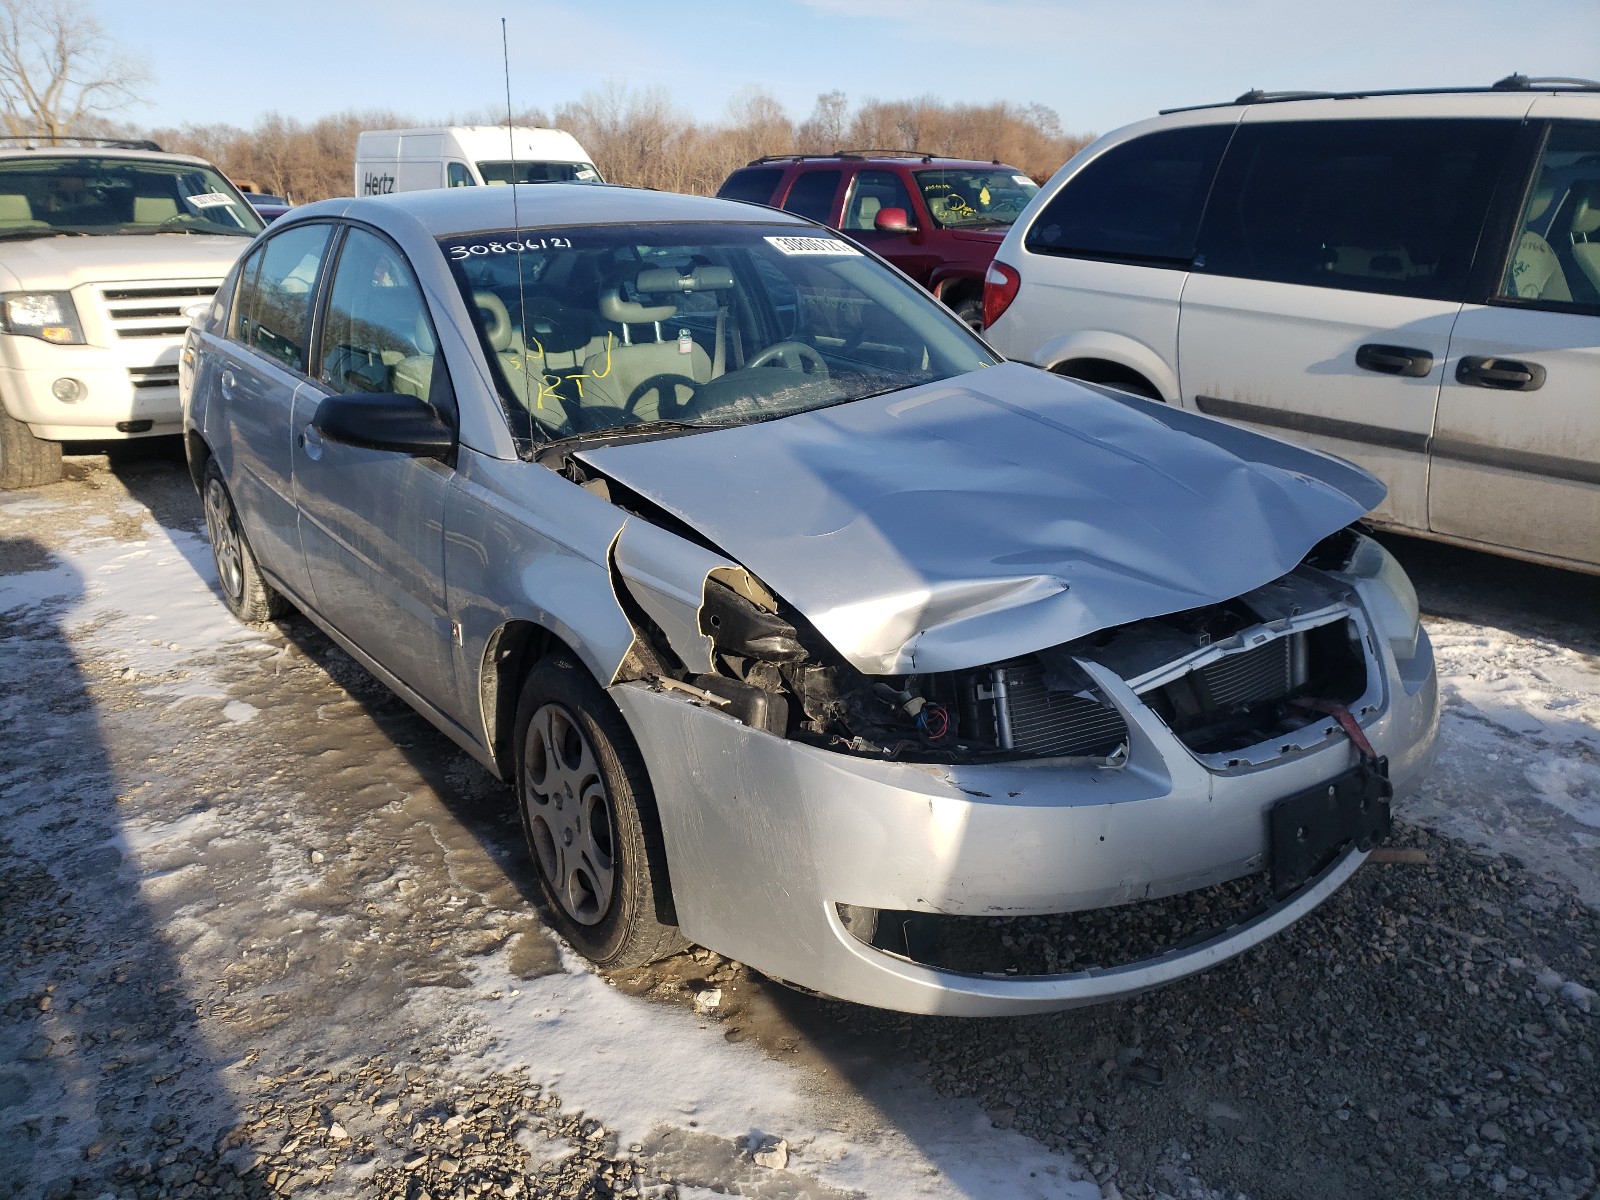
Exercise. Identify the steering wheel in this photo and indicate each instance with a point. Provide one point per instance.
(791, 355)
(665, 388)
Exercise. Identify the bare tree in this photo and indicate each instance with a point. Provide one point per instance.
(58, 68)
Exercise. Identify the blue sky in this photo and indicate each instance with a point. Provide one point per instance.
(1099, 65)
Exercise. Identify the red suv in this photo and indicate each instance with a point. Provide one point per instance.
(939, 220)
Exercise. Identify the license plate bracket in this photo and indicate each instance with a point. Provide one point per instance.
(1306, 830)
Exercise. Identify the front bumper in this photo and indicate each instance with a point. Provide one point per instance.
(766, 837)
(122, 387)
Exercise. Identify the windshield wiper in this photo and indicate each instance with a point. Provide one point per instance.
(18, 235)
(580, 441)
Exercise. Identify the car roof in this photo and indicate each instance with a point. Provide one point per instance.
(1514, 88)
(443, 211)
(111, 151)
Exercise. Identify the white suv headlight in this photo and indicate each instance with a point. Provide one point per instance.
(49, 316)
(1387, 594)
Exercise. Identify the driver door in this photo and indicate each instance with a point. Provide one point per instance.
(372, 521)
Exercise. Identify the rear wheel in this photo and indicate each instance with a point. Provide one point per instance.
(26, 461)
(970, 310)
(588, 815)
(248, 595)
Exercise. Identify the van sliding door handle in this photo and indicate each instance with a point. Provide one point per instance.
(1502, 374)
(1394, 360)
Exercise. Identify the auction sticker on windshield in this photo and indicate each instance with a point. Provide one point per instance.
(211, 199)
(811, 245)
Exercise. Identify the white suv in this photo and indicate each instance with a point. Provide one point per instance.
(105, 251)
(1410, 280)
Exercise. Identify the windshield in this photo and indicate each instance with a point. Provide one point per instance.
(40, 196)
(618, 328)
(533, 171)
(965, 197)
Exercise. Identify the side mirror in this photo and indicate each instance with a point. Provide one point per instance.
(892, 220)
(385, 421)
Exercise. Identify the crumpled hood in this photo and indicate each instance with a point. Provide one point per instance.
(63, 263)
(967, 521)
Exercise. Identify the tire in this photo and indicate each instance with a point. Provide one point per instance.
(248, 596)
(970, 310)
(26, 461)
(588, 815)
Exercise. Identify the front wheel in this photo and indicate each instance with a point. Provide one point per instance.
(588, 815)
(26, 461)
(246, 592)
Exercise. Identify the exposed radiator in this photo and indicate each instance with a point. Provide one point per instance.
(1251, 676)
(1035, 720)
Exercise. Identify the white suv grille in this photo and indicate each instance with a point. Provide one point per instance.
(154, 310)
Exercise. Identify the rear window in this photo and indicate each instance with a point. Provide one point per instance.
(1138, 202)
(754, 185)
(1392, 206)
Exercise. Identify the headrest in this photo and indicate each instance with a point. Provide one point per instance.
(630, 312)
(700, 279)
(496, 320)
(1539, 205)
(1586, 216)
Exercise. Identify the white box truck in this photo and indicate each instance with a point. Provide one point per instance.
(406, 160)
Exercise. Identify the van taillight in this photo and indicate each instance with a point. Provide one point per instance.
(1000, 287)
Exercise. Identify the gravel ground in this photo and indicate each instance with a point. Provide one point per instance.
(247, 904)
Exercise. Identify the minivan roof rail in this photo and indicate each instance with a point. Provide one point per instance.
(34, 142)
(1511, 83)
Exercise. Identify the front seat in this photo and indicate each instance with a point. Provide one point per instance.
(644, 381)
(1585, 221)
(1535, 272)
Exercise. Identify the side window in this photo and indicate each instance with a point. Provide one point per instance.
(753, 184)
(458, 176)
(1374, 206)
(811, 195)
(245, 296)
(274, 307)
(871, 193)
(1555, 259)
(377, 336)
(1138, 202)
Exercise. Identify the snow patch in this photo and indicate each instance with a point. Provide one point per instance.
(593, 1044)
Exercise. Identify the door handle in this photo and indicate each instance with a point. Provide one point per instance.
(311, 442)
(1502, 374)
(1394, 360)
(228, 383)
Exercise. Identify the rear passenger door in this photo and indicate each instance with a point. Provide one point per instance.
(261, 364)
(1516, 451)
(372, 521)
(1329, 270)
(811, 194)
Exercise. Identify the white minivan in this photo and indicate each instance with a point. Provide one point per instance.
(1408, 280)
(407, 160)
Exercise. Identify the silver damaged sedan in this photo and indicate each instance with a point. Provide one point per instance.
(807, 628)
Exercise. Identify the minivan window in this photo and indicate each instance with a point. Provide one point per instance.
(1555, 260)
(754, 185)
(1391, 206)
(811, 195)
(1140, 201)
(274, 305)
